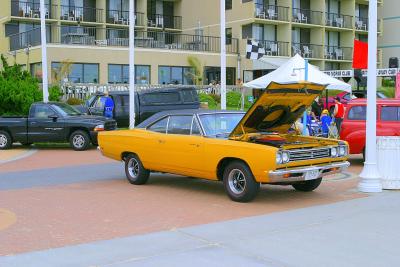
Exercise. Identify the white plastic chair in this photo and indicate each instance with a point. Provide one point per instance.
(307, 51)
(271, 13)
(260, 13)
(339, 22)
(339, 53)
(301, 18)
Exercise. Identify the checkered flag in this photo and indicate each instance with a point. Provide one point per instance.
(254, 50)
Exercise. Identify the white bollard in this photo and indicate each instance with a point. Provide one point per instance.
(388, 148)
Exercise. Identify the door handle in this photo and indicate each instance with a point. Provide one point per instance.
(161, 141)
(196, 145)
(33, 122)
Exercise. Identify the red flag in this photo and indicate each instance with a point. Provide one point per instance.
(360, 55)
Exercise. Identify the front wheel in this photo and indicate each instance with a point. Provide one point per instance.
(79, 140)
(239, 182)
(307, 186)
(5, 140)
(134, 170)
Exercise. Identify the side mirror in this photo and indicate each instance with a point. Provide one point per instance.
(54, 117)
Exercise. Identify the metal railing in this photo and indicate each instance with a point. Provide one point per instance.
(307, 16)
(92, 36)
(31, 10)
(164, 21)
(272, 12)
(338, 20)
(338, 53)
(275, 48)
(76, 13)
(122, 17)
(307, 50)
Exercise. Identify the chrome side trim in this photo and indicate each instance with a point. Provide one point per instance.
(298, 174)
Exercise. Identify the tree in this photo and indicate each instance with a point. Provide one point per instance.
(61, 71)
(198, 70)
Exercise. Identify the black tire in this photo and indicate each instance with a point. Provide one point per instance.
(5, 140)
(363, 153)
(79, 140)
(134, 170)
(307, 186)
(239, 182)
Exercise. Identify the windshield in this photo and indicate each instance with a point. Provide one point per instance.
(66, 110)
(220, 124)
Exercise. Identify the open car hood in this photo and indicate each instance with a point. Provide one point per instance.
(279, 106)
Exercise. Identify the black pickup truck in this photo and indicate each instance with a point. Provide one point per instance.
(53, 122)
(147, 103)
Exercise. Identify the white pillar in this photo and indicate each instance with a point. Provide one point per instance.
(44, 51)
(131, 64)
(223, 55)
(370, 178)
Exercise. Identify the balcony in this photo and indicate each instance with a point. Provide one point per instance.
(31, 10)
(122, 17)
(338, 53)
(164, 21)
(110, 37)
(361, 24)
(272, 12)
(307, 50)
(307, 16)
(82, 14)
(338, 20)
(275, 48)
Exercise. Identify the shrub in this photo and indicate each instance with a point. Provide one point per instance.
(388, 91)
(388, 83)
(212, 104)
(55, 93)
(233, 100)
(74, 101)
(216, 97)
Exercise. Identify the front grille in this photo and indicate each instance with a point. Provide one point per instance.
(110, 125)
(307, 154)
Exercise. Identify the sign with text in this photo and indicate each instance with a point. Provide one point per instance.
(350, 73)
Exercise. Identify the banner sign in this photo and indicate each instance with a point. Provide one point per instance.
(349, 73)
(397, 93)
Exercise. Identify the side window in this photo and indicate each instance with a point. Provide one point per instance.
(357, 113)
(390, 114)
(195, 127)
(125, 100)
(162, 98)
(117, 100)
(159, 126)
(346, 97)
(180, 125)
(43, 112)
(187, 96)
(99, 102)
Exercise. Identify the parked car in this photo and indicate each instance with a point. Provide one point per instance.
(53, 122)
(345, 97)
(353, 126)
(147, 103)
(242, 150)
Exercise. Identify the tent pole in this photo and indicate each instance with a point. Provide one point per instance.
(305, 112)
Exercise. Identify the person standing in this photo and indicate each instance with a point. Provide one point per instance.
(108, 105)
(338, 113)
(325, 122)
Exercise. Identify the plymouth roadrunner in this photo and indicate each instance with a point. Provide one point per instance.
(241, 150)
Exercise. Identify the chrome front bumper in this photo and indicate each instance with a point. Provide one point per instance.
(299, 174)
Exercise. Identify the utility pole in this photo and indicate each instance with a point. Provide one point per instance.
(223, 55)
(44, 51)
(132, 64)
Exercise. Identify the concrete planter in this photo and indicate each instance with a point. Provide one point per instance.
(388, 148)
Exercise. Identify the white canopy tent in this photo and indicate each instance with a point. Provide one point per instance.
(294, 71)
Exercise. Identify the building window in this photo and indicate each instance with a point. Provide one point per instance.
(175, 75)
(81, 72)
(213, 75)
(118, 73)
(228, 36)
(36, 70)
(228, 4)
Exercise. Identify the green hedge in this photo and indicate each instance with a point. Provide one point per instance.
(212, 104)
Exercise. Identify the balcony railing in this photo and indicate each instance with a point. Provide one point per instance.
(164, 21)
(87, 14)
(307, 16)
(122, 17)
(31, 10)
(272, 12)
(361, 24)
(92, 36)
(275, 48)
(307, 50)
(338, 53)
(338, 20)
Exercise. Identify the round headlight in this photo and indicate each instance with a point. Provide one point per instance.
(279, 158)
(334, 152)
(285, 157)
(342, 151)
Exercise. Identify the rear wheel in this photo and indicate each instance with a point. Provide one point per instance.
(239, 182)
(134, 170)
(5, 140)
(79, 140)
(307, 186)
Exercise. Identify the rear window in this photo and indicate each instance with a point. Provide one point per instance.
(189, 96)
(390, 114)
(357, 113)
(162, 98)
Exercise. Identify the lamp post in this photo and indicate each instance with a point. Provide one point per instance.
(131, 64)
(370, 179)
(223, 55)
(44, 51)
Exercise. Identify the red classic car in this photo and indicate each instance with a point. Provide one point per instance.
(353, 126)
(345, 97)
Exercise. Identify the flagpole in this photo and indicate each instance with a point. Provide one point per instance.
(223, 55)
(370, 179)
(44, 52)
(131, 64)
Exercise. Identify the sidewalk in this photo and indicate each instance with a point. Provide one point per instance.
(15, 154)
(359, 232)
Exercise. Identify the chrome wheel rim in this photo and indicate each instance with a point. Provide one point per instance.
(236, 181)
(78, 141)
(133, 168)
(3, 140)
